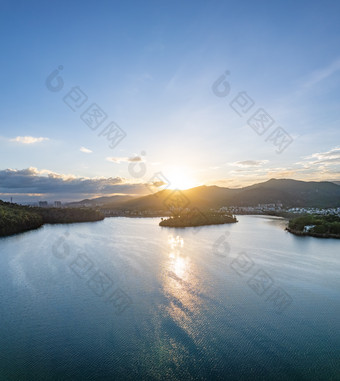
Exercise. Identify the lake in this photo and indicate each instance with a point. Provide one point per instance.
(126, 299)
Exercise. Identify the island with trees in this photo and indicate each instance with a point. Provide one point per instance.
(327, 226)
(191, 218)
(16, 218)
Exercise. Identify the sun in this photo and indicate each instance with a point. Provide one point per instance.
(180, 178)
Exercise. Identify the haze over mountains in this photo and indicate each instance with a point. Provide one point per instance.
(289, 193)
(111, 200)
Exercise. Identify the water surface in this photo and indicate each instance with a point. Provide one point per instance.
(126, 299)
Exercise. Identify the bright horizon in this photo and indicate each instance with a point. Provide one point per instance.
(179, 89)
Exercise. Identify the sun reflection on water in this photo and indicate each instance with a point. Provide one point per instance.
(178, 263)
(175, 242)
(181, 286)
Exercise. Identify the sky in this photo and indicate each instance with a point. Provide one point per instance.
(108, 97)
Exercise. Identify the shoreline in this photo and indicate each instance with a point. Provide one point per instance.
(289, 230)
(42, 225)
(315, 235)
(17, 219)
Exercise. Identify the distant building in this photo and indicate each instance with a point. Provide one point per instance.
(308, 228)
(57, 204)
(43, 204)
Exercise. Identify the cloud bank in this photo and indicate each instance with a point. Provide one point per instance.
(32, 184)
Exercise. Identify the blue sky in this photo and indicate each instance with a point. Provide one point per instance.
(150, 66)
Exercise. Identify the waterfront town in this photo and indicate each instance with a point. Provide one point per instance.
(279, 208)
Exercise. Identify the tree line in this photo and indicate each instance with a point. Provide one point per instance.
(16, 218)
(322, 224)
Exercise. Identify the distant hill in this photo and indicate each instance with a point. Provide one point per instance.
(203, 196)
(110, 201)
(291, 193)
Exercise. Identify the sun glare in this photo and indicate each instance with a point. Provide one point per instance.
(180, 178)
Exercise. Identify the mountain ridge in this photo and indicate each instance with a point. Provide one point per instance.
(288, 192)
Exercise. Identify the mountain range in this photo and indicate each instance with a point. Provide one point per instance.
(289, 193)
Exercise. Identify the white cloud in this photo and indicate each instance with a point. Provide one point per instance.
(320, 165)
(330, 157)
(85, 150)
(334, 152)
(28, 139)
(119, 160)
(324, 73)
(249, 163)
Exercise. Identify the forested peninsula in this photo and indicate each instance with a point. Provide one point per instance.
(16, 218)
(315, 226)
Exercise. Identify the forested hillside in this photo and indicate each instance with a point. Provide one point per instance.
(16, 218)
